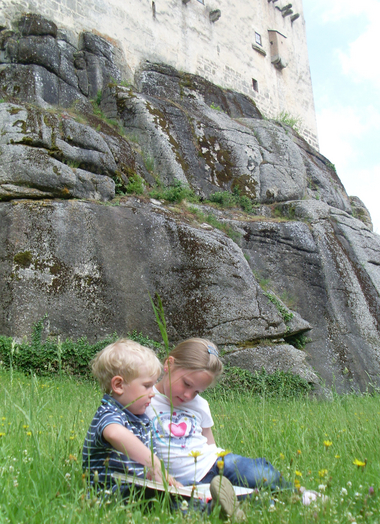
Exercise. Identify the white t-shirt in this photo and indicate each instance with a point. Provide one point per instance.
(179, 433)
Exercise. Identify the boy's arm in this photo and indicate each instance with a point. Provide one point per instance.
(126, 442)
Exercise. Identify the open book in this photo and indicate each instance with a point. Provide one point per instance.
(200, 491)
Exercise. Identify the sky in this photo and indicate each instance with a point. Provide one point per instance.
(343, 42)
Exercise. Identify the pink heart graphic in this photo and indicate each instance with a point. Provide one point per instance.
(178, 430)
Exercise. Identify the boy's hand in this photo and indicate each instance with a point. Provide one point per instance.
(156, 474)
(173, 482)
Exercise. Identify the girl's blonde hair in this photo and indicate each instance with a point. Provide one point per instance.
(125, 358)
(197, 354)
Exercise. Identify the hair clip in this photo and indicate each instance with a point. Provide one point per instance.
(212, 351)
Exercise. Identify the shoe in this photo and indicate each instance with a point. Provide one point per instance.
(223, 494)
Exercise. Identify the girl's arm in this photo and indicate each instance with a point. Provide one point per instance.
(207, 432)
(126, 442)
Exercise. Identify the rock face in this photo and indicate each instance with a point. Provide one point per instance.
(300, 268)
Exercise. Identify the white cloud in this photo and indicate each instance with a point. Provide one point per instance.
(340, 130)
(334, 10)
(360, 61)
(365, 183)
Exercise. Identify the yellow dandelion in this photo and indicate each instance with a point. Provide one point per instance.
(297, 484)
(337, 456)
(298, 473)
(223, 453)
(194, 454)
(359, 463)
(327, 443)
(220, 464)
(322, 472)
(25, 426)
(2, 434)
(282, 456)
(299, 452)
(29, 433)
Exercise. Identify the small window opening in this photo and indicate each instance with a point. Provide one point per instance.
(258, 39)
(154, 9)
(255, 85)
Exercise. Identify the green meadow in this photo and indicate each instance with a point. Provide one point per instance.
(328, 446)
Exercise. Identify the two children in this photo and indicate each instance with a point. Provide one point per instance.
(120, 436)
(119, 439)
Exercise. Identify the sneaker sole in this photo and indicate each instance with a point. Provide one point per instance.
(223, 493)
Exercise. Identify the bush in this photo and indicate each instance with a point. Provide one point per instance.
(261, 383)
(135, 185)
(174, 193)
(54, 356)
(227, 199)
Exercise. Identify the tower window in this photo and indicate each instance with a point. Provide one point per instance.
(258, 39)
(255, 85)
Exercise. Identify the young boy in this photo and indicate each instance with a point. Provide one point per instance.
(119, 438)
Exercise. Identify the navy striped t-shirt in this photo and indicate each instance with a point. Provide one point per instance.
(99, 455)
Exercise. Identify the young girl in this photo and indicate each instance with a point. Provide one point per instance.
(182, 421)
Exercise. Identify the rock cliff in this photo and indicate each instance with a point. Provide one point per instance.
(79, 136)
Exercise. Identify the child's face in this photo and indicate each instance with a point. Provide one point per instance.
(182, 385)
(137, 394)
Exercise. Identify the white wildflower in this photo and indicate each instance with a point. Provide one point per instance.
(349, 484)
(322, 487)
(184, 505)
(343, 491)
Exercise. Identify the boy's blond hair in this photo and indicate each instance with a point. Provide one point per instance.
(197, 354)
(124, 358)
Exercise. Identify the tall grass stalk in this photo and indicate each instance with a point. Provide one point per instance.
(160, 319)
(59, 354)
(13, 345)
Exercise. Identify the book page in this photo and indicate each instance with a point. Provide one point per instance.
(200, 491)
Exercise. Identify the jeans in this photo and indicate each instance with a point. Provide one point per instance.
(248, 472)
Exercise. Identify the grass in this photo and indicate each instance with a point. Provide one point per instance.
(175, 193)
(214, 222)
(43, 422)
(295, 122)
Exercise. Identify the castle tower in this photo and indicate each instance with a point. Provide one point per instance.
(257, 47)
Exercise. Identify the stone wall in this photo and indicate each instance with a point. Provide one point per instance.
(226, 51)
